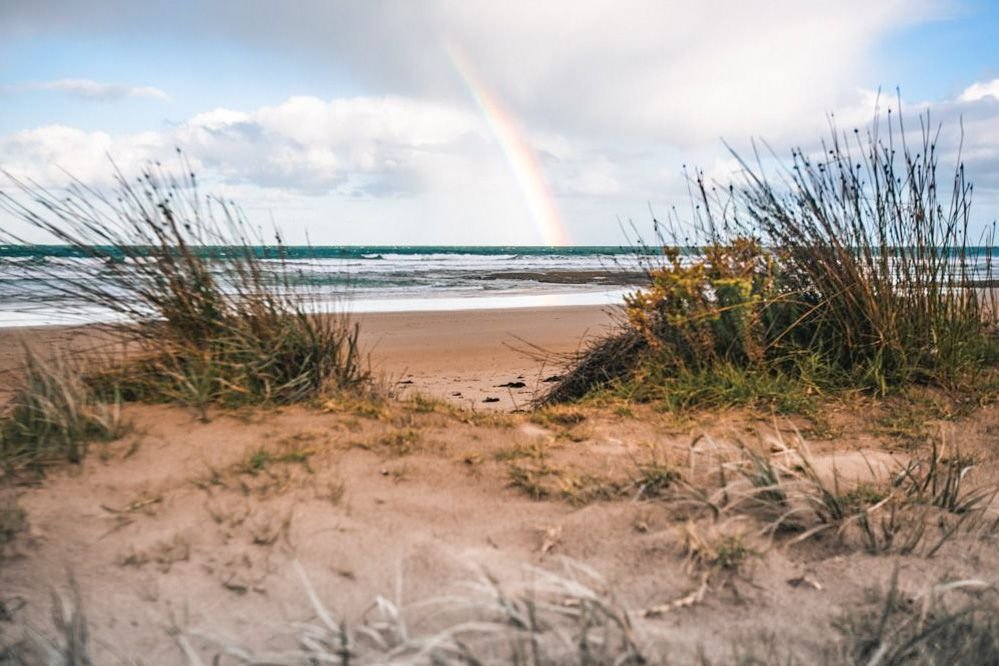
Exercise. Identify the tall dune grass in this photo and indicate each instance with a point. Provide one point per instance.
(208, 308)
(853, 266)
(53, 414)
(877, 252)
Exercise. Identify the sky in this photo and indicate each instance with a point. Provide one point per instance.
(475, 121)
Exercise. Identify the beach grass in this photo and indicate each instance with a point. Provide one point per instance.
(852, 268)
(890, 627)
(208, 309)
(53, 414)
(915, 508)
(573, 617)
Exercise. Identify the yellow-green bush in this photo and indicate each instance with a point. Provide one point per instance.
(852, 270)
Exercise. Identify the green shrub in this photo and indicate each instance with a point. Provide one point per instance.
(850, 272)
(880, 255)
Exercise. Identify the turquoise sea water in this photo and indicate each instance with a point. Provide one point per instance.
(367, 278)
(42, 252)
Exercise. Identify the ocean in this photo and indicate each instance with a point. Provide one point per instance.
(361, 279)
(375, 278)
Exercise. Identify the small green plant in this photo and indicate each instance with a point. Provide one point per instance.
(13, 520)
(582, 489)
(654, 476)
(288, 452)
(715, 549)
(726, 385)
(535, 450)
(562, 416)
(624, 411)
(401, 442)
(731, 552)
(531, 479)
(366, 404)
(423, 404)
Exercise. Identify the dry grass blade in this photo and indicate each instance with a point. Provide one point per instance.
(602, 362)
(892, 629)
(916, 510)
(555, 619)
(71, 644)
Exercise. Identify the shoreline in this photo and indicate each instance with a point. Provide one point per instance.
(610, 296)
(462, 356)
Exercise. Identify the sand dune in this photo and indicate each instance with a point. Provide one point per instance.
(195, 531)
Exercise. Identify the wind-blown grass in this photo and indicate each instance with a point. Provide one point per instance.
(53, 414)
(877, 253)
(854, 268)
(210, 312)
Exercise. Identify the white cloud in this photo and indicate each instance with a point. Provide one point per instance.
(91, 90)
(682, 73)
(49, 155)
(303, 144)
(317, 146)
(981, 90)
(679, 72)
(614, 97)
(965, 127)
(440, 160)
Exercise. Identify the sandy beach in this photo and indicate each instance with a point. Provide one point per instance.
(499, 333)
(466, 357)
(188, 537)
(461, 356)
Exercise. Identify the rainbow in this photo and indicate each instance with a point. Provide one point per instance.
(523, 162)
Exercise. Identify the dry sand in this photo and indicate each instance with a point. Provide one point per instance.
(191, 529)
(466, 357)
(463, 357)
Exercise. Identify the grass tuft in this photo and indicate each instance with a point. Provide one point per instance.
(210, 312)
(654, 476)
(892, 628)
(853, 268)
(915, 509)
(53, 414)
(70, 646)
(566, 618)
